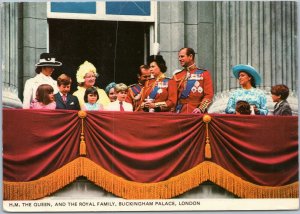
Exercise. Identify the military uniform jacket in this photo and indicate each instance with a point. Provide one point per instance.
(134, 95)
(166, 96)
(201, 93)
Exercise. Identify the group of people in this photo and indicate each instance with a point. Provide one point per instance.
(189, 90)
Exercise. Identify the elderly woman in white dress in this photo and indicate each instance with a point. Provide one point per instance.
(86, 77)
(44, 69)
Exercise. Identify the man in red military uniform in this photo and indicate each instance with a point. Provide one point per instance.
(134, 91)
(194, 85)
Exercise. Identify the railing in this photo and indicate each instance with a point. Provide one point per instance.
(140, 155)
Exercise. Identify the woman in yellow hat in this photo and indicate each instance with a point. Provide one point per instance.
(86, 77)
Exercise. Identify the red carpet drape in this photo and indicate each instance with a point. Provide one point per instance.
(145, 155)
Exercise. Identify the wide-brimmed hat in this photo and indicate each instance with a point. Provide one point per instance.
(47, 59)
(248, 69)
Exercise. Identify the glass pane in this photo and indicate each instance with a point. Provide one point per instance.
(74, 7)
(128, 8)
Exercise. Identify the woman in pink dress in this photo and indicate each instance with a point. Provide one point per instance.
(44, 98)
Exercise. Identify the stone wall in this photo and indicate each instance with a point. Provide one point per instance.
(34, 38)
(226, 33)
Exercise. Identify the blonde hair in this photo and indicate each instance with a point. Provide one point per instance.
(121, 87)
(83, 69)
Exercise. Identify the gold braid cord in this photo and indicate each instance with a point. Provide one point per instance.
(82, 147)
(172, 187)
(204, 105)
(206, 119)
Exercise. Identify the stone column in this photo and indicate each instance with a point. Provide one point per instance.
(35, 37)
(262, 34)
(9, 55)
(171, 32)
(204, 35)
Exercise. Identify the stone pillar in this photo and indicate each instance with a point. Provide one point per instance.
(35, 37)
(262, 34)
(204, 37)
(9, 55)
(171, 32)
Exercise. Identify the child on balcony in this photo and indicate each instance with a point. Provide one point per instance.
(279, 95)
(120, 105)
(65, 100)
(242, 107)
(44, 98)
(91, 97)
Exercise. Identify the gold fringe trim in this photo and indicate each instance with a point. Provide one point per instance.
(134, 190)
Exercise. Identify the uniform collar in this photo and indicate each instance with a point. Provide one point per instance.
(162, 76)
(191, 67)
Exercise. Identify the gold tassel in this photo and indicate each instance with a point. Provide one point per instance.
(82, 146)
(207, 153)
(82, 149)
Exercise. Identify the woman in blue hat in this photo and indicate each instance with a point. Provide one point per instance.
(110, 91)
(248, 78)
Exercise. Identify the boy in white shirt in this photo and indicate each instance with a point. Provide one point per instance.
(120, 105)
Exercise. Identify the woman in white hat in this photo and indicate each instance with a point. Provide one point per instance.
(248, 78)
(86, 78)
(44, 69)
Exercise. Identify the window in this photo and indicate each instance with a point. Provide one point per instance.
(142, 11)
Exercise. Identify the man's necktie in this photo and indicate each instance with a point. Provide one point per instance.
(64, 98)
(121, 106)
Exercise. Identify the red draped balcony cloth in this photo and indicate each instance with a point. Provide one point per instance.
(138, 155)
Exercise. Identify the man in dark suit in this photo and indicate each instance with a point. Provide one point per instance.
(65, 100)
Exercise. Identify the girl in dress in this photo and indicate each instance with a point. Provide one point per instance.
(44, 98)
(91, 97)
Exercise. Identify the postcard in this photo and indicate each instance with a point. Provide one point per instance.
(149, 106)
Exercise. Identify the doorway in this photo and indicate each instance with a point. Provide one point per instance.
(116, 49)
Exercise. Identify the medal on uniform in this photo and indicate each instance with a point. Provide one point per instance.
(165, 85)
(159, 91)
(200, 89)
